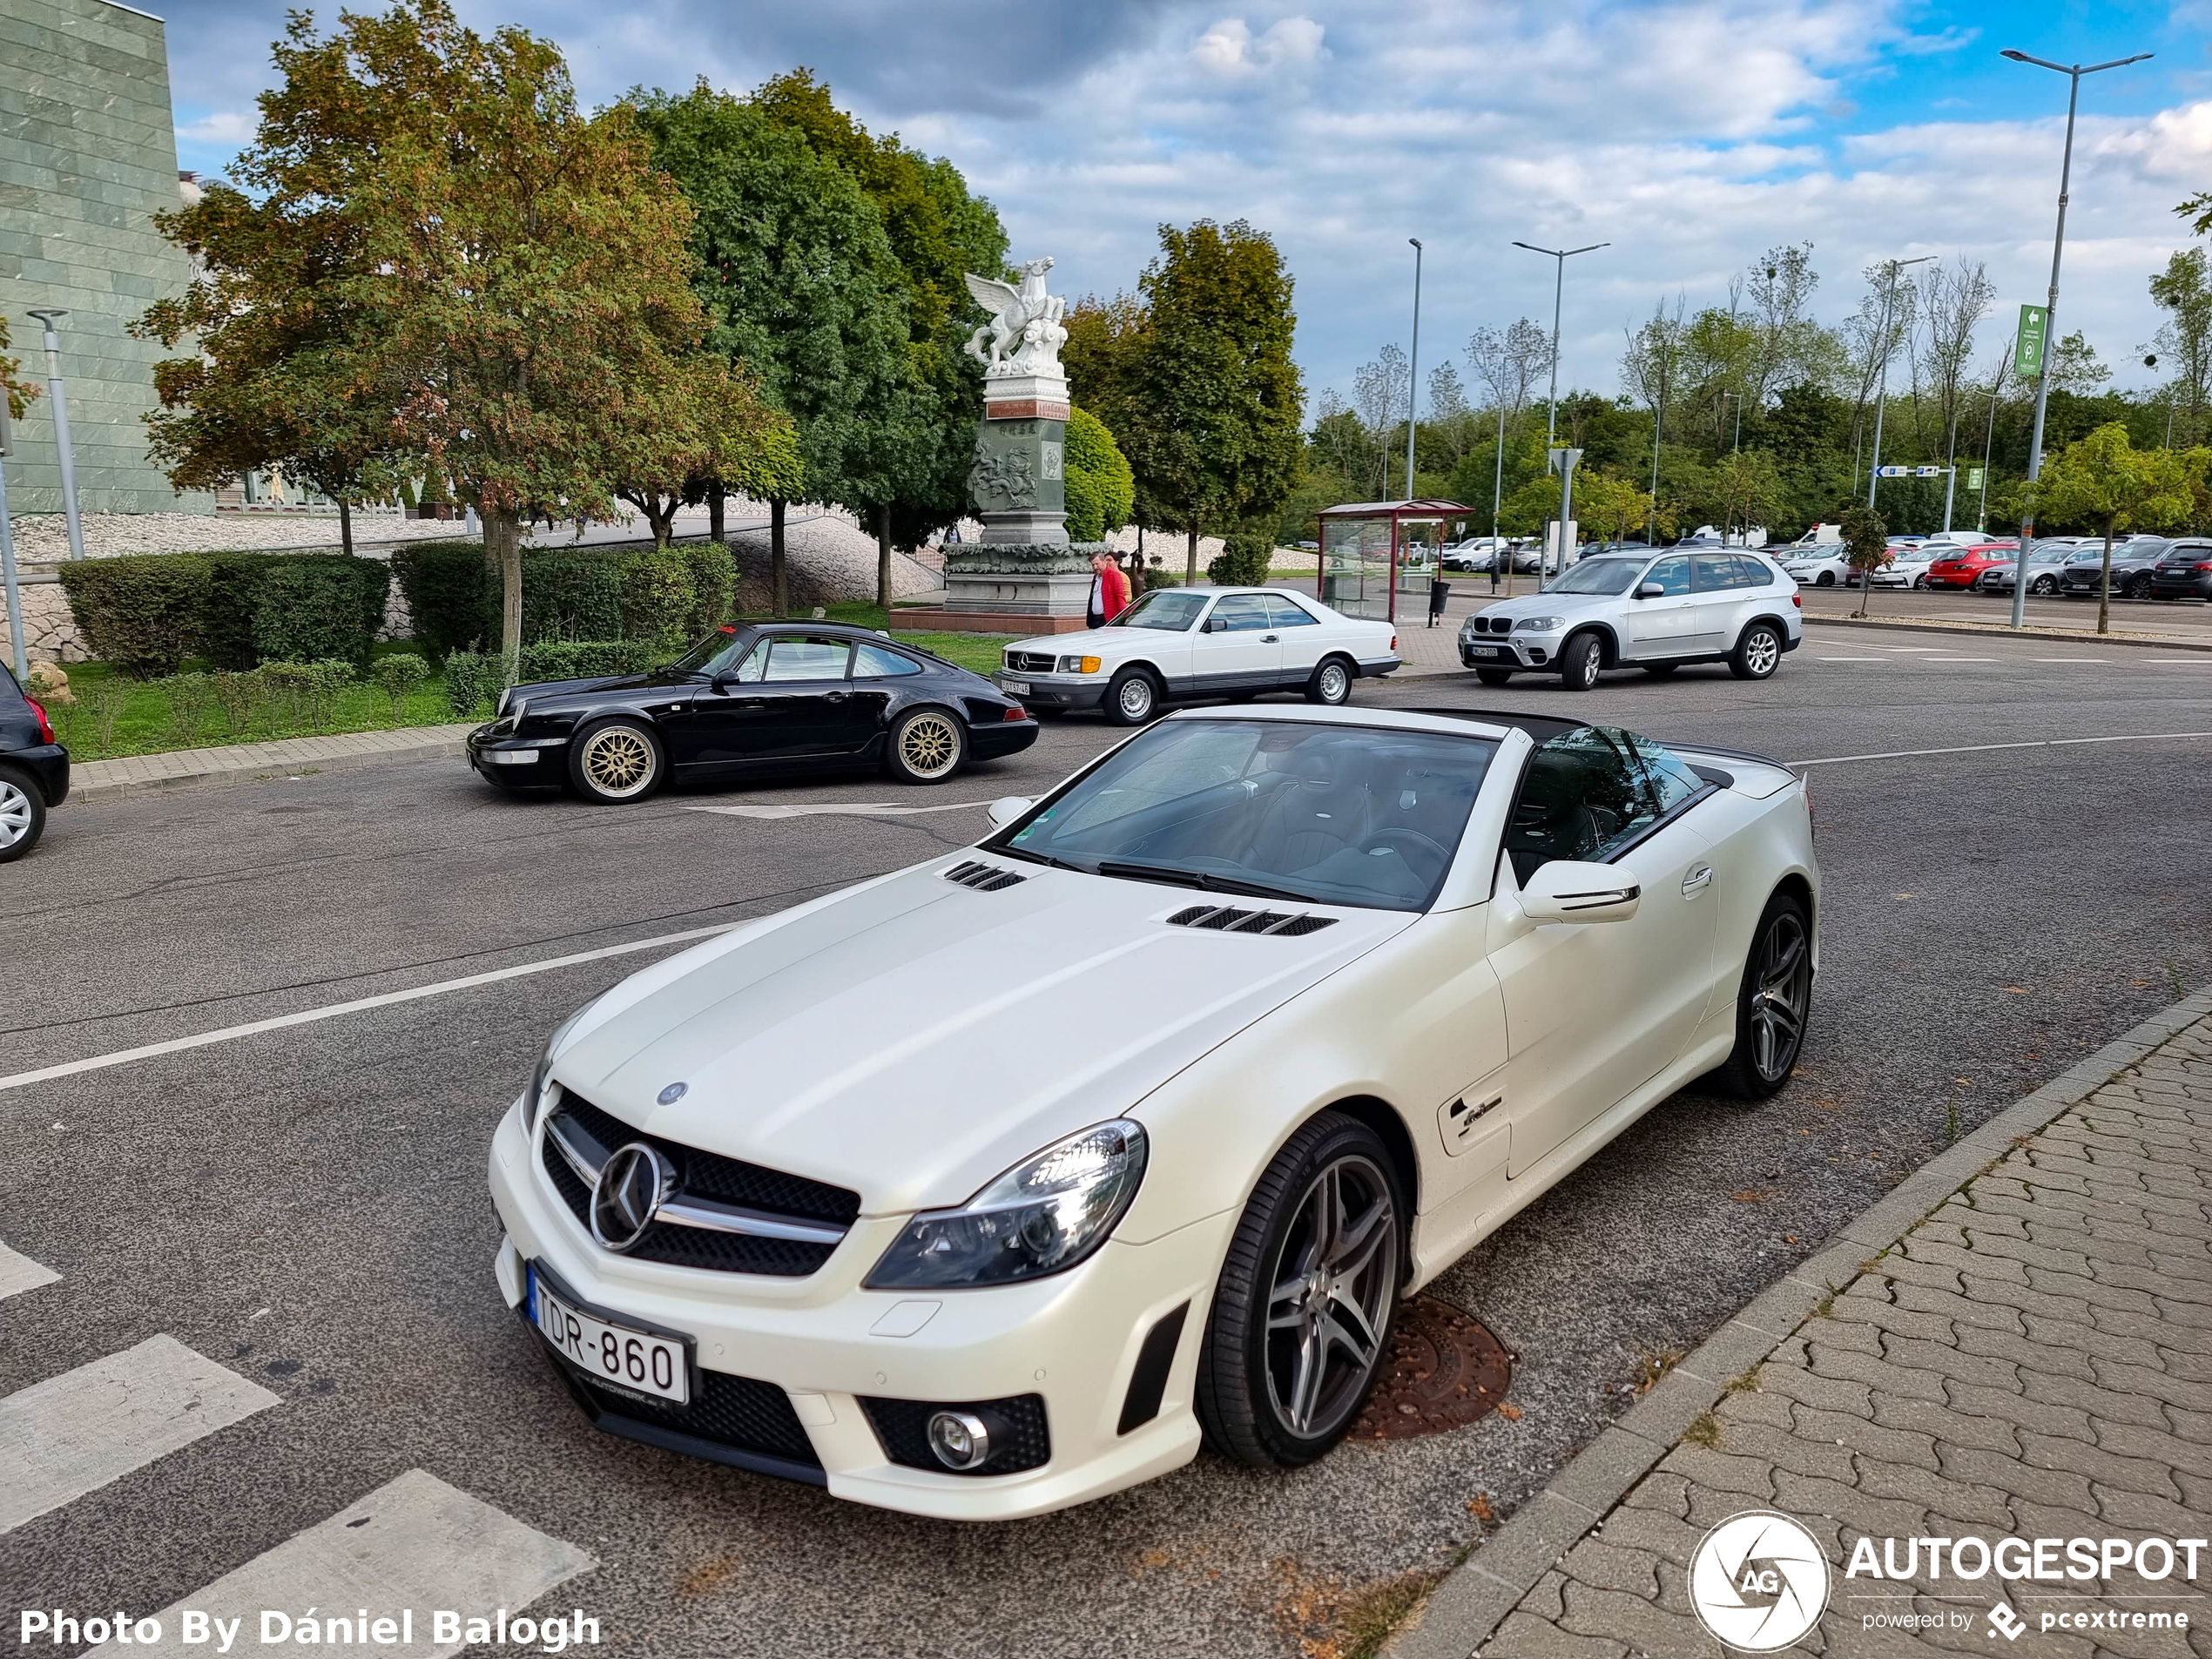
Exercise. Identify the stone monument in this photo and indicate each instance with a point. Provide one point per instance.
(1024, 575)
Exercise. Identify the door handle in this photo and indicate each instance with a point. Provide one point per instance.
(836, 697)
(1271, 639)
(1700, 878)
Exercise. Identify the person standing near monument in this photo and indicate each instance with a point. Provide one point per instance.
(1109, 589)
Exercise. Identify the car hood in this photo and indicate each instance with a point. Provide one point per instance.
(1092, 641)
(1553, 604)
(545, 690)
(912, 1039)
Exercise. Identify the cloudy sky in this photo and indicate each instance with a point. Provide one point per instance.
(1690, 134)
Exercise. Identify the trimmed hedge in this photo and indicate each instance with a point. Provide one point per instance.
(450, 595)
(321, 610)
(144, 613)
(1243, 562)
(139, 613)
(1101, 488)
(474, 679)
(653, 594)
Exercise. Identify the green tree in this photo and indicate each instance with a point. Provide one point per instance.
(20, 391)
(2105, 483)
(1610, 505)
(2183, 292)
(1867, 546)
(1209, 421)
(1747, 488)
(797, 276)
(1101, 489)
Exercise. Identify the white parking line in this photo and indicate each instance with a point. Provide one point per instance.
(1980, 748)
(1854, 659)
(414, 1543)
(1958, 659)
(20, 1273)
(816, 809)
(73, 1434)
(306, 1016)
(2069, 660)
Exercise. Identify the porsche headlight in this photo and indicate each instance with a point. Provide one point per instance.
(1042, 1216)
(542, 1085)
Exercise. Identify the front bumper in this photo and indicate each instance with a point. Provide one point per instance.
(1507, 651)
(1073, 1338)
(1053, 691)
(509, 759)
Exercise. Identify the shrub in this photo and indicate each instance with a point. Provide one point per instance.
(451, 594)
(398, 675)
(323, 607)
(472, 681)
(141, 613)
(576, 659)
(569, 596)
(236, 695)
(104, 699)
(580, 593)
(308, 690)
(188, 695)
(1101, 488)
(1244, 560)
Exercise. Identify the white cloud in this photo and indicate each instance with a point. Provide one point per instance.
(222, 126)
(1230, 48)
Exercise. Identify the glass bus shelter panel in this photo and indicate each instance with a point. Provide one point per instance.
(1420, 543)
(1355, 567)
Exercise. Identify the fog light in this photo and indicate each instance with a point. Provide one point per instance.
(512, 756)
(961, 1440)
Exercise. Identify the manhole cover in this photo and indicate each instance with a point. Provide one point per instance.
(1444, 1370)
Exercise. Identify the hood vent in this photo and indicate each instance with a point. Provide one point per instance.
(984, 878)
(1222, 919)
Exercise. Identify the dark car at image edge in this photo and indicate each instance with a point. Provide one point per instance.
(34, 769)
(2183, 572)
(753, 699)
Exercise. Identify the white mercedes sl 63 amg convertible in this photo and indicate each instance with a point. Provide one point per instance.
(1007, 1181)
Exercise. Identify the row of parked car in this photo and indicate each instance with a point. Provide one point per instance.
(2143, 567)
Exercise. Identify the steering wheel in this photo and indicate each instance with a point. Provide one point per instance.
(1435, 849)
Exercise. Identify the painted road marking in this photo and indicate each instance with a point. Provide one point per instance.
(74, 1434)
(2069, 660)
(308, 1017)
(1958, 659)
(20, 1273)
(1982, 748)
(414, 1543)
(1854, 659)
(815, 809)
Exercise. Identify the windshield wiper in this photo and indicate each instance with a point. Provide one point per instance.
(1204, 880)
(1040, 858)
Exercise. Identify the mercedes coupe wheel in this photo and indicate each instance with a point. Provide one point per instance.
(1579, 662)
(1757, 654)
(618, 760)
(1331, 685)
(1302, 1315)
(1771, 1004)
(928, 747)
(22, 815)
(1132, 699)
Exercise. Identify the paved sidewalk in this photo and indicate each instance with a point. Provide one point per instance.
(103, 780)
(2015, 1343)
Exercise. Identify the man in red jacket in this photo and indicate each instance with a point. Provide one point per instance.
(1109, 589)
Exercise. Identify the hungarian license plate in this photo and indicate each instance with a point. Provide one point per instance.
(1487, 650)
(642, 1361)
(1019, 688)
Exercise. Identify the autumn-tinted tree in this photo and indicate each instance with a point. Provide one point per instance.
(1866, 547)
(20, 391)
(1210, 424)
(2103, 483)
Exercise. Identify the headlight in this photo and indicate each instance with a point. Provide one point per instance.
(1539, 624)
(1040, 1216)
(540, 1080)
(1079, 664)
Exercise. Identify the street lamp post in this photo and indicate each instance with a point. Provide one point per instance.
(1889, 301)
(1989, 449)
(2074, 72)
(1738, 446)
(1559, 289)
(1413, 369)
(58, 393)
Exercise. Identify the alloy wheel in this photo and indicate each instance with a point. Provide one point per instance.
(1335, 684)
(1761, 651)
(14, 813)
(619, 761)
(1329, 1297)
(1778, 1003)
(928, 747)
(1134, 697)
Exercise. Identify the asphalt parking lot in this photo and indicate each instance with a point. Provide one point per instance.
(305, 1204)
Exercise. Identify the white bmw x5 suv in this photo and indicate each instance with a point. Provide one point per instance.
(1716, 605)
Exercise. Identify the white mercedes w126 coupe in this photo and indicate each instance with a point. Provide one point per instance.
(1006, 1181)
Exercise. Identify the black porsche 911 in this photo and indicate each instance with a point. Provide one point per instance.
(750, 700)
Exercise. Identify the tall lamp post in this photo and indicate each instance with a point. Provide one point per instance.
(58, 393)
(1889, 301)
(1413, 369)
(1988, 448)
(2074, 72)
(1559, 289)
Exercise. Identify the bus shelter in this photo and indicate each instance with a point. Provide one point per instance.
(1378, 557)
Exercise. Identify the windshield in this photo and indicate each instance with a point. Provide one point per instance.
(1273, 809)
(1167, 609)
(717, 651)
(1598, 575)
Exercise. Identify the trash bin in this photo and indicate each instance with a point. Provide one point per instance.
(1439, 593)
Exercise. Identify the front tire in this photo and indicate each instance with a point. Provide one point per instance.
(1771, 1004)
(1757, 654)
(1579, 661)
(927, 746)
(1494, 676)
(1919, 584)
(1301, 1317)
(1133, 697)
(22, 814)
(1827, 579)
(2138, 586)
(1331, 685)
(615, 762)
(2044, 584)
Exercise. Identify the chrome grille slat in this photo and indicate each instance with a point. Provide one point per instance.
(583, 1154)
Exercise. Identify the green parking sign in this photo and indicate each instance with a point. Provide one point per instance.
(1973, 478)
(2028, 349)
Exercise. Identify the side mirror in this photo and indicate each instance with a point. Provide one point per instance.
(1568, 890)
(722, 683)
(1007, 808)
(1650, 590)
(1216, 625)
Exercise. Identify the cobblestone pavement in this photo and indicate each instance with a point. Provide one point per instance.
(2033, 1359)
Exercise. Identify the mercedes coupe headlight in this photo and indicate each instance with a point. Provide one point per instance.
(542, 1084)
(1040, 1216)
(1079, 664)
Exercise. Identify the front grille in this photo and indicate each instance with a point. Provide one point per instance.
(984, 878)
(1019, 1438)
(1491, 624)
(739, 1411)
(708, 1175)
(1224, 919)
(1030, 662)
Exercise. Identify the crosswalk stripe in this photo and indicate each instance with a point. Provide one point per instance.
(20, 1273)
(73, 1434)
(412, 1547)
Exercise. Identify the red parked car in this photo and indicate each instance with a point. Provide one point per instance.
(1964, 568)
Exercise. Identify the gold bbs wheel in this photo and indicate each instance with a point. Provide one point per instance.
(618, 762)
(928, 747)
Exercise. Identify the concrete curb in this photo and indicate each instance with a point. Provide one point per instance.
(1998, 631)
(102, 781)
(1474, 1600)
